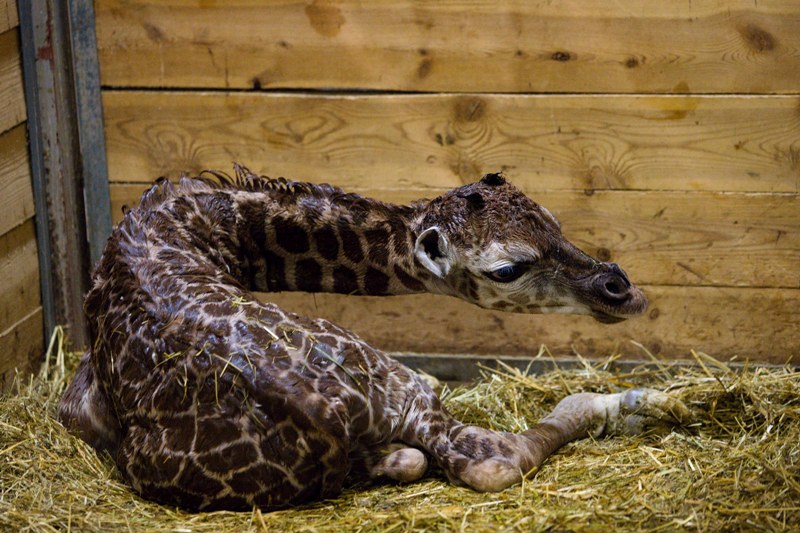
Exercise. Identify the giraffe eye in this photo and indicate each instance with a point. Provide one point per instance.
(506, 274)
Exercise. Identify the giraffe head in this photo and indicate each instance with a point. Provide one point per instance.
(491, 245)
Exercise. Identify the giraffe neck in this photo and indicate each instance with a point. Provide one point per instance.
(316, 238)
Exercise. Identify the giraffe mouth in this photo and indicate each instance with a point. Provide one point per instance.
(606, 318)
(612, 311)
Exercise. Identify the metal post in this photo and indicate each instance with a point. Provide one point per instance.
(67, 153)
(91, 139)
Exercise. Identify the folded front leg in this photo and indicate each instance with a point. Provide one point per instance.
(491, 461)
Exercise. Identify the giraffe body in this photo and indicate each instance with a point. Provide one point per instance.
(210, 399)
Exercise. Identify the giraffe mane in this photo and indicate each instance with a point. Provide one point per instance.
(243, 179)
(246, 180)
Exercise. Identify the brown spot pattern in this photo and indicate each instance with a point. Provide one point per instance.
(211, 399)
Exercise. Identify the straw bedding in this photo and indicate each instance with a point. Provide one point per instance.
(737, 467)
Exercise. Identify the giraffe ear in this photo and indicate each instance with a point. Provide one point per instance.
(432, 249)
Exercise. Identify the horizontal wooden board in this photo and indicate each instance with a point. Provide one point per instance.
(422, 141)
(19, 274)
(756, 324)
(12, 111)
(660, 237)
(457, 369)
(8, 15)
(21, 348)
(704, 46)
(16, 194)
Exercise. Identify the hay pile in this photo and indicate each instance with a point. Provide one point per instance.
(737, 467)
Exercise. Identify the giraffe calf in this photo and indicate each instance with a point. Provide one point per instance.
(208, 398)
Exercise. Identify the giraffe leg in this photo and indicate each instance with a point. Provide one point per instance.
(86, 411)
(396, 461)
(491, 461)
(626, 413)
(638, 410)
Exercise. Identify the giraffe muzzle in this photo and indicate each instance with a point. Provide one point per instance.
(618, 297)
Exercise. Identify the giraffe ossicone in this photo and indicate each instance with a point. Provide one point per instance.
(210, 399)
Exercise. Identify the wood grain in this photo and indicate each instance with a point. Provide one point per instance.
(688, 174)
(21, 335)
(699, 243)
(16, 195)
(651, 46)
(756, 324)
(659, 237)
(421, 141)
(8, 15)
(21, 348)
(19, 274)
(12, 111)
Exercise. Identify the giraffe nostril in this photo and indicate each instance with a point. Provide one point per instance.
(612, 287)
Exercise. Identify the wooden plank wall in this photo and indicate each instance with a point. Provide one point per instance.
(20, 302)
(665, 136)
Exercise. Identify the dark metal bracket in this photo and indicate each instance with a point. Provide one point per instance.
(68, 156)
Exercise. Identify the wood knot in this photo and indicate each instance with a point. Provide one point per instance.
(154, 33)
(655, 347)
(444, 140)
(468, 171)
(757, 39)
(424, 68)
(604, 254)
(469, 109)
(325, 18)
(561, 56)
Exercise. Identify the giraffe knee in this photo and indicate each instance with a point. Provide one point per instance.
(405, 464)
(490, 475)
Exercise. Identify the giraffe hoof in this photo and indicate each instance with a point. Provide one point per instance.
(643, 409)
